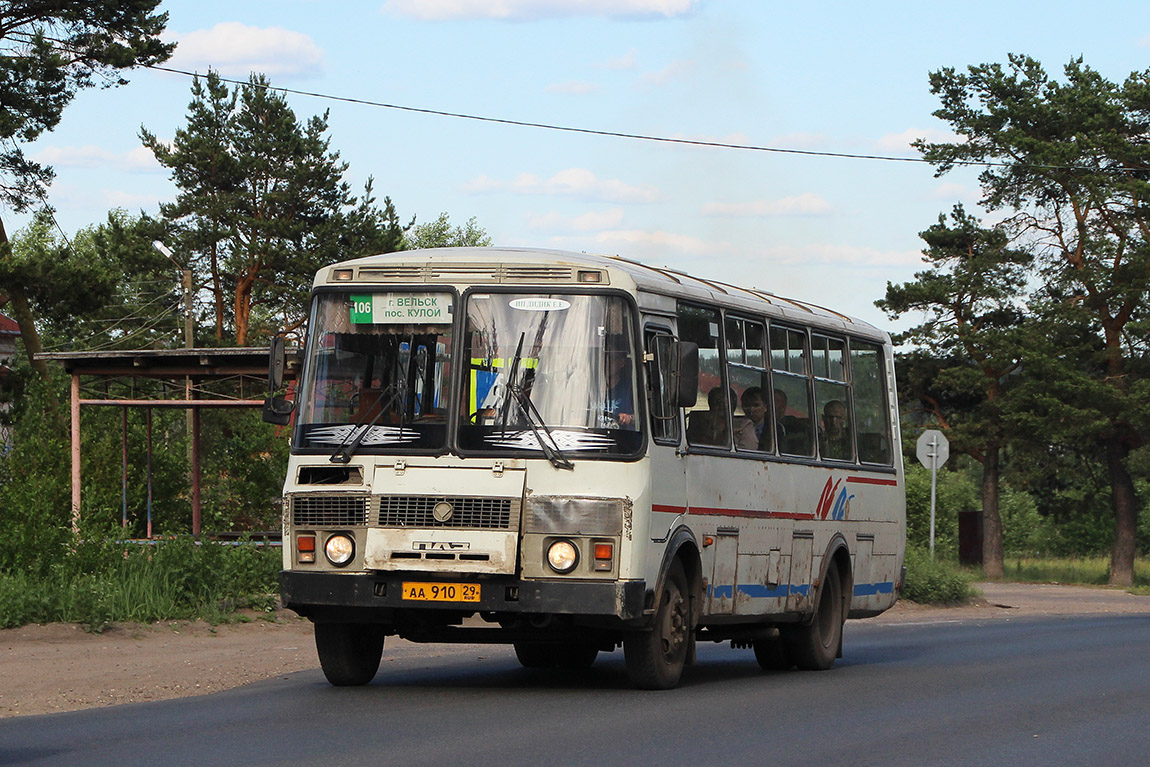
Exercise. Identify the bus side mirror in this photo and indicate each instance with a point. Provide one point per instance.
(277, 410)
(276, 361)
(688, 374)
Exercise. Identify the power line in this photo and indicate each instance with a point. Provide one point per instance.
(554, 127)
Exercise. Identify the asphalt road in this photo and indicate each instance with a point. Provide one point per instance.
(1031, 691)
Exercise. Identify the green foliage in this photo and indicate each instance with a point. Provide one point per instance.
(937, 582)
(48, 51)
(262, 205)
(441, 234)
(955, 492)
(99, 581)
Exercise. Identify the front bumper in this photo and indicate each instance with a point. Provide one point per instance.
(377, 596)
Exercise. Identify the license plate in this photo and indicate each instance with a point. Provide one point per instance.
(441, 592)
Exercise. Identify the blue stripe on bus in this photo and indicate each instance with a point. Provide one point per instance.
(759, 591)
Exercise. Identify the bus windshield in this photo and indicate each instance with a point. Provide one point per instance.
(377, 372)
(547, 372)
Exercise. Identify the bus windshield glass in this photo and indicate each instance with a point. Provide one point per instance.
(378, 372)
(549, 372)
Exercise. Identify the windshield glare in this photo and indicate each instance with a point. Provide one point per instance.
(537, 368)
(369, 365)
(549, 366)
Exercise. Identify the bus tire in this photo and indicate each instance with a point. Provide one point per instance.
(349, 653)
(571, 656)
(814, 646)
(771, 653)
(655, 657)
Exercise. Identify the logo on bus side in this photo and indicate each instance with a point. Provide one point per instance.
(440, 545)
(833, 503)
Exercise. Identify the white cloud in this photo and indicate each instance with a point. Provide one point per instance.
(526, 10)
(623, 63)
(899, 143)
(578, 183)
(951, 192)
(235, 50)
(588, 222)
(139, 159)
(674, 72)
(840, 256)
(807, 204)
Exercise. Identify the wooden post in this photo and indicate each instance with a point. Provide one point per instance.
(76, 453)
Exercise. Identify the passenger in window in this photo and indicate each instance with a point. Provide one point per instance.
(620, 405)
(709, 427)
(780, 417)
(751, 433)
(835, 436)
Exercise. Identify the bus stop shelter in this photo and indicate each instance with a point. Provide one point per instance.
(190, 379)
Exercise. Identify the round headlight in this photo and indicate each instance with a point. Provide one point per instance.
(339, 549)
(562, 556)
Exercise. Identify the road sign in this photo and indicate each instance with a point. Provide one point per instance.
(933, 449)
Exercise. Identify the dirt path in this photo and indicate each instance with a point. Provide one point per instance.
(60, 667)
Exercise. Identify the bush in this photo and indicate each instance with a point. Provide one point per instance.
(936, 582)
(98, 582)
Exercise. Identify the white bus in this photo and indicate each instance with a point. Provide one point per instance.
(572, 453)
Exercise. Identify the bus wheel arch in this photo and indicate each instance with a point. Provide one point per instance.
(815, 643)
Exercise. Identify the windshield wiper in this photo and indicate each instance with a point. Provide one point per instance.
(398, 391)
(549, 446)
(345, 450)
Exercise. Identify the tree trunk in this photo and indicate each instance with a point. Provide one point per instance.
(22, 313)
(992, 559)
(243, 306)
(1125, 515)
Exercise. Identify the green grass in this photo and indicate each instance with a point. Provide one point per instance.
(104, 582)
(1081, 571)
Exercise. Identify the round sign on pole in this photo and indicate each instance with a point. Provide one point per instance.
(932, 449)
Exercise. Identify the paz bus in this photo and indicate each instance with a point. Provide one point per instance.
(573, 453)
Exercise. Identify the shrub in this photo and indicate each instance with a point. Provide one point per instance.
(936, 582)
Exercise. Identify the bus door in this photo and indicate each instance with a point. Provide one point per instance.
(668, 473)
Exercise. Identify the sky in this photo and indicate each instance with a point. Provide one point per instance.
(833, 77)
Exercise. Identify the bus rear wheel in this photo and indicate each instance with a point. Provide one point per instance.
(814, 647)
(655, 658)
(349, 653)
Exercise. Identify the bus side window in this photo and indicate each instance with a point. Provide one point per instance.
(871, 413)
(791, 400)
(709, 419)
(660, 344)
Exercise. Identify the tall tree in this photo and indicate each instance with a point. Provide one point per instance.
(971, 299)
(263, 204)
(49, 50)
(1068, 160)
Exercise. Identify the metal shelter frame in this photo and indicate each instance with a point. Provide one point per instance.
(184, 371)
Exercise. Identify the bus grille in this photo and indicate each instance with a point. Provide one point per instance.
(453, 272)
(329, 510)
(418, 511)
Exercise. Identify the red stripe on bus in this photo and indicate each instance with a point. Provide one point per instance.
(873, 481)
(669, 509)
(702, 510)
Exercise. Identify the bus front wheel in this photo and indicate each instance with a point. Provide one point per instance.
(349, 653)
(815, 646)
(655, 658)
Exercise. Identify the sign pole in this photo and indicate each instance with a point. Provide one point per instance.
(933, 449)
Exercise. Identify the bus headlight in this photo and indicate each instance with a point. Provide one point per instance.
(339, 549)
(562, 556)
